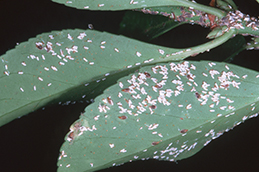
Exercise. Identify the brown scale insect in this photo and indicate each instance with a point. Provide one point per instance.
(75, 131)
(158, 86)
(165, 14)
(202, 20)
(148, 11)
(126, 100)
(110, 101)
(155, 143)
(40, 47)
(185, 14)
(183, 131)
(48, 48)
(122, 117)
(154, 12)
(145, 11)
(225, 86)
(224, 21)
(181, 19)
(197, 12)
(72, 135)
(153, 107)
(172, 15)
(125, 90)
(147, 74)
(182, 9)
(197, 95)
(189, 76)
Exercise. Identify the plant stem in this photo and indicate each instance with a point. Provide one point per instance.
(214, 11)
(184, 53)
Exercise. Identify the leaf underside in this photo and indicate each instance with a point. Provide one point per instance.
(167, 111)
(145, 27)
(67, 65)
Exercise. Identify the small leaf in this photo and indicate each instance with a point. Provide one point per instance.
(217, 32)
(165, 111)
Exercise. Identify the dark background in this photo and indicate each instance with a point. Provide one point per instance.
(32, 142)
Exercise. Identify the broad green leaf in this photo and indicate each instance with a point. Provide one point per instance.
(118, 5)
(134, 4)
(65, 65)
(167, 111)
(145, 27)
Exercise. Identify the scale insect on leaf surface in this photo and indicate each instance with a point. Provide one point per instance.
(170, 123)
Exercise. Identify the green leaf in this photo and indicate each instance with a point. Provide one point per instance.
(117, 5)
(133, 4)
(145, 27)
(166, 111)
(66, 65)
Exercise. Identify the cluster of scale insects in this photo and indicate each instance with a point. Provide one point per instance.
(234, 19)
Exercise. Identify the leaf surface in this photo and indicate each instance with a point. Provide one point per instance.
(48, 68)
(117, 5)
(167, 111)
(133, 4)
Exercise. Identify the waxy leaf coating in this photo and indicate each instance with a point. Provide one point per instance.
(167, 111)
